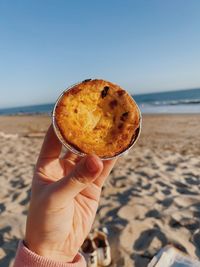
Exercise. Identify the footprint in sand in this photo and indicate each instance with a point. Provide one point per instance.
(153, 213)
(162, 184)
(189, 223)
(166, 191)
(119, 182)
(146, 239)
(186, 191)
(192, 180)
(141, 259)
(18, 183)
(196, 241)
(170, 167)
(27, 198)
(2, 208)
(146, 186)
(182, 201)
(167, 202)
(15, 196)
(132, 211)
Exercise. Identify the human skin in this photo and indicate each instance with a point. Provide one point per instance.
(64, 200)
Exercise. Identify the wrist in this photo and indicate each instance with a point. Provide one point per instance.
(26, 257)
(52, 253)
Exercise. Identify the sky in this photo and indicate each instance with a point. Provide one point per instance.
(142, 45)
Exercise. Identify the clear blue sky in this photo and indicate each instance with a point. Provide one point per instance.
(143, 45)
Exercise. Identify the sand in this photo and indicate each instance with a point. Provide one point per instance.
(150, 199)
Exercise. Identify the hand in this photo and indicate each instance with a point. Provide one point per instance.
(64, 200)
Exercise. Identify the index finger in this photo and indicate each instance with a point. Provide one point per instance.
(51, 147)
(107, 168)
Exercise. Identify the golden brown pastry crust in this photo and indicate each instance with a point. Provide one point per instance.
(99, 117)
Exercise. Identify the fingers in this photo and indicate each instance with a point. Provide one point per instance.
(71, 157)
(107, 167)
(84, 173)
(94, 189)
(51, 147)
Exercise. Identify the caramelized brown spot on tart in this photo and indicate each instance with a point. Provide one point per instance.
(121, 92)
(87, 80)
(120, 126)
(124, 136)
(99, 127)
(124, 116)
(104, 92)
(74, 91)
(113, 103)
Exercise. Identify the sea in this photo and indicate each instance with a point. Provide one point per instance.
(174, 102)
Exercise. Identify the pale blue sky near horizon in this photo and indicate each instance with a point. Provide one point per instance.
(142, 45)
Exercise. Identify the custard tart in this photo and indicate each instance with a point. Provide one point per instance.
(97, 117)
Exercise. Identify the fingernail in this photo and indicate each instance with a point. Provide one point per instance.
(92, 164)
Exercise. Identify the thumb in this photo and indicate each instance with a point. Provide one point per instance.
(84, 173)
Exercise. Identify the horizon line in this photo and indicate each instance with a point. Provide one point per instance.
(52, 103)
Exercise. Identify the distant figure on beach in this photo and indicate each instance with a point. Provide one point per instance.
(64, 201)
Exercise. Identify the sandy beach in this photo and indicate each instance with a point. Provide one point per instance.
(151, 198)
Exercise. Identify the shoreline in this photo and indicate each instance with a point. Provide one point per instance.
(38, 114)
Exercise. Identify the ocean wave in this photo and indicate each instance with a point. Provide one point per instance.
(177, 102)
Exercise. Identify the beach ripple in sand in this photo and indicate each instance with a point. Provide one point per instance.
(151, 198)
